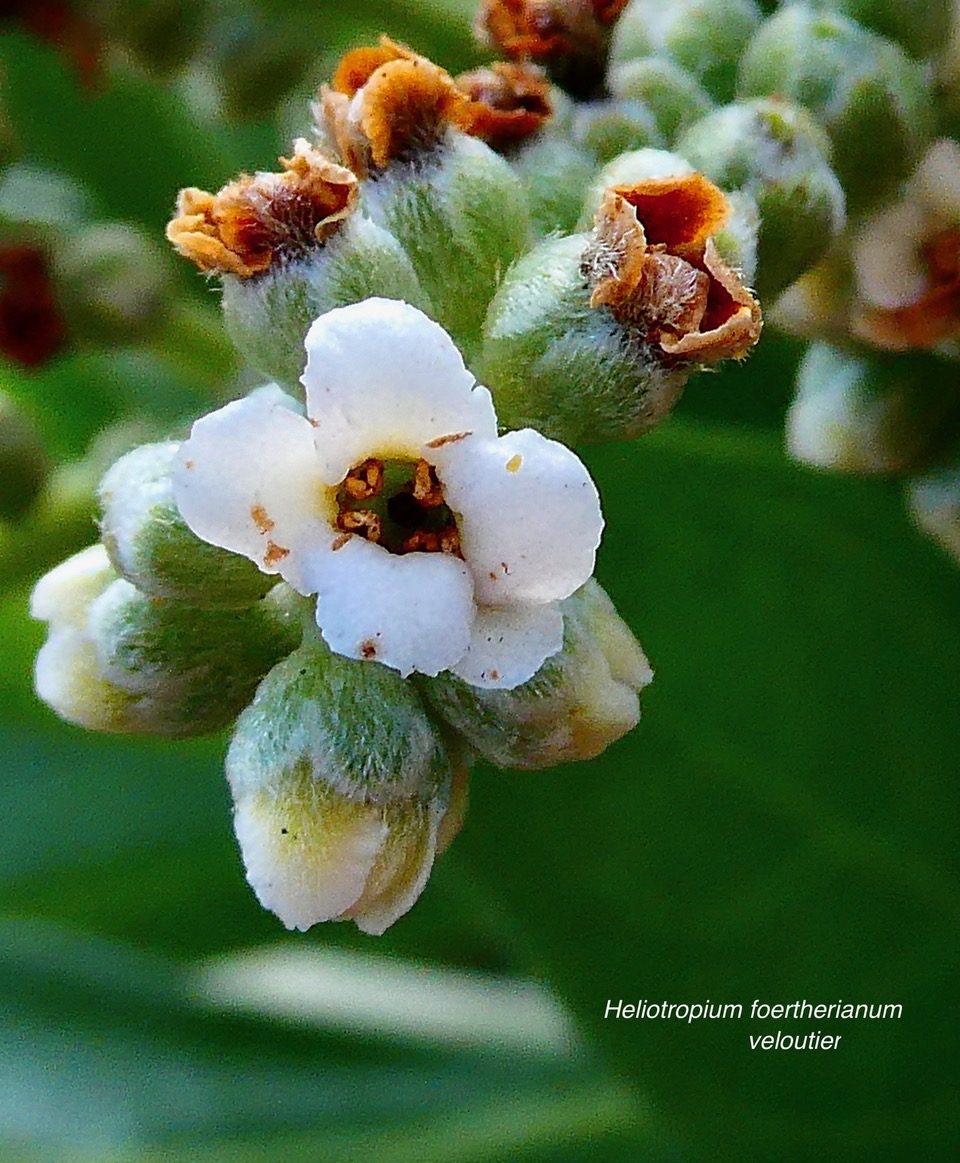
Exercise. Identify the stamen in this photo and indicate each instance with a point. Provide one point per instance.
(365, 481)
(362, 521)
(426, 486)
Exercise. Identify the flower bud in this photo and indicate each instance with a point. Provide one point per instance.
(874, 102)
(113, 280)
(606, 129)
(776, 153)
(185, 670)
(289, 247)
(920, 26)
(868, 412)
(934, 501)
(592, 337)
(580, 701)
(705, 37)
(24, 466)
(66, 673)
(341, 783)
(555, 172)
(151, 546)
(674, 97)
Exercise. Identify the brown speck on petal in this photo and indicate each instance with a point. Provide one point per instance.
(508, 103)
(653, 263)
(275, 553)
(257, 221)
(340, 542)
(260, 518)
(452, 438)
(368, 649)
(513, 464)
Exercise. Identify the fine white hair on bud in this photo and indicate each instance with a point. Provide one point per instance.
(432, 543)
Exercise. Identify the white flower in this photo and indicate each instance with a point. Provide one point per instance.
(906, 260)
(431, 542)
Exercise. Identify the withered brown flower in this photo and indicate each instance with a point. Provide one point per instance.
(508, 103)
(652, 261)
(568, 37)
(384, 103)
(256, 221)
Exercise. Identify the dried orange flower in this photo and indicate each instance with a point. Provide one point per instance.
(386, 103)
(568, 36)
(508, 103)
(257, 221)
(654, 264)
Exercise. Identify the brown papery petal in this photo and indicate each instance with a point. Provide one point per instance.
(407, 105)
(508, 103)
(678, 212)
(255, 221)
(357, 67)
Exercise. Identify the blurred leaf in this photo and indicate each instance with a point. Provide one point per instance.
(782, 826)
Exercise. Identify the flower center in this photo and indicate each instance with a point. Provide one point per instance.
(397, 504)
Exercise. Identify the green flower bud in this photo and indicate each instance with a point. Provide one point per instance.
(114, 281)
(874, 102)
(580, 701)
(705, 37)
(185, 670)
(869, 412)
(609, 128)
(24, 466)
(461, 214)
(934, 501)
(555, 173)
(267, 316)
(920, 26)
(775, 152)
(341, 784)
(674, 97)
(151, 546)
(593, 336)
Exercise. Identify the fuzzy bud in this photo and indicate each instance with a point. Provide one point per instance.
(341, 783)
(674, 97)
(704, 37)
(934, 501)
(869, 412)
(606, 129)
(580, 701)
(593, 336)
(874, 101)
(776, 153)
(151, 546)
(920, 26)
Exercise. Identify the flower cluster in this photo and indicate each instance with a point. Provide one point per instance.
(377, 568)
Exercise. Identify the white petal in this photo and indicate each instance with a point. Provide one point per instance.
(887, 256)
(63, 596)
(402, 869)
(937, 180)
(248, 480)
(307, 861)
(508, 646)
(382, 380)
(528, 514)
(412, 612)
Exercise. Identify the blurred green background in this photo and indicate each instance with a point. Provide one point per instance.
(781, 826)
